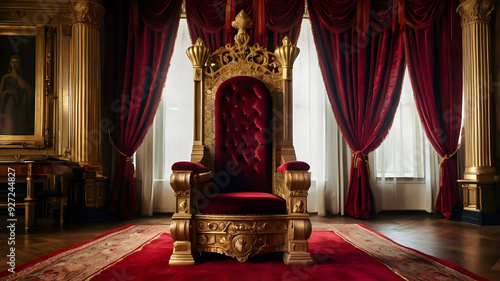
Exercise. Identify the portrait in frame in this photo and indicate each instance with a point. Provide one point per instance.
(21, 86)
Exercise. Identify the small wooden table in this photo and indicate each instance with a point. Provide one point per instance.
(30, 169)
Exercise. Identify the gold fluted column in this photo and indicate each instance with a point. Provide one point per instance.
(287, 54)
(86, 84)
(480, 174)
(198, 55)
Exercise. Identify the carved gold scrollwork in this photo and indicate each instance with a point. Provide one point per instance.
(264, 226)
(299, 193)
(201, 225)
(202, 239)
(255, 55)
(242, 244)
(185, 193)
(49, 61)
(222, 226)
(213, 226)
(183, 206)
(298, 207)
(280, 226)
(241, 227)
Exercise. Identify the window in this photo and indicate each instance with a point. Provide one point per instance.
(401, 154)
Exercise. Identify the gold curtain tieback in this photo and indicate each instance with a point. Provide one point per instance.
(446, 157)
(356, 158)
(128, 158)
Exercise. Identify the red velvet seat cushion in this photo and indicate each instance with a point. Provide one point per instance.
(189, 166)
(293, 166)
(244, 203)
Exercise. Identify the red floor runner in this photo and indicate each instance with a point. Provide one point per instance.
(336, 260)
(347, 252)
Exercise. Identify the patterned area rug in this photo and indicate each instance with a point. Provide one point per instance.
(141, 252)
(87, 259)
(408, 263)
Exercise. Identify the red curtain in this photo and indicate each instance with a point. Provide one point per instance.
(362, 63)
(273, 19)
(433, 45)
(142, 50)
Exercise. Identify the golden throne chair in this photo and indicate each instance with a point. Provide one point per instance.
(243, 193)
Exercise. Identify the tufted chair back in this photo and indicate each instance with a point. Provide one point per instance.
(243, 135)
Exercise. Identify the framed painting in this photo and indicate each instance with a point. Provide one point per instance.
(22, 54)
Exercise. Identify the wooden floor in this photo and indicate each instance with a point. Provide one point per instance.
(476, 248)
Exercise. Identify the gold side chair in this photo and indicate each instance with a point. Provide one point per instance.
(242, 193)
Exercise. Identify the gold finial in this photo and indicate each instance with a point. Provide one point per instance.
(198, 53)
(286, 55)
(242, 22)
(286, 41)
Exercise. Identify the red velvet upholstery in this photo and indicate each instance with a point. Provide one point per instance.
(245, 203)
(243, 135)
(293, 166)
(189, 166)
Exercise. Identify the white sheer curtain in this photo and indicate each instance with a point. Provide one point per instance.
(171, 136)
(317, 138)
(404, 168)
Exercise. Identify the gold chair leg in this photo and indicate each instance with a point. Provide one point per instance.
(182, 254)
(298, 232)
(298, 257)
(180, 229)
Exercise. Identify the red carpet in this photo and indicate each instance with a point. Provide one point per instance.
(135, 252)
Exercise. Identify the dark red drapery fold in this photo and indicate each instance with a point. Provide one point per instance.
(143, 48)
(282, 18)
(207, 20)
(363, 71)
(435, 66)
(273, 19)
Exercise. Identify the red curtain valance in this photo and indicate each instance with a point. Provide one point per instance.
(156, 15)
(377, 15)
(420, 14)
(341, 15)
(273, 19)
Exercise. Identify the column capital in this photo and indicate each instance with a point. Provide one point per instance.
(474, 11)
(87, 11)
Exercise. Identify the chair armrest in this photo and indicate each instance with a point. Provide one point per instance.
(293, 166)
(297, 181)
(189, 166)
(185, 178)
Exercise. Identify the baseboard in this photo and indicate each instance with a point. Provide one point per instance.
(479, 218)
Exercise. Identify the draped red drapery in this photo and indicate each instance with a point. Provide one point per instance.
(144, 37)
(273, 19)
(433, 45)
(361, 55)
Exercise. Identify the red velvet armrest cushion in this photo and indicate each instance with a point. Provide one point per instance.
(293, 166)
(189, 166)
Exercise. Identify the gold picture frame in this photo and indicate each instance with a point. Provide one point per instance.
(22, 98)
